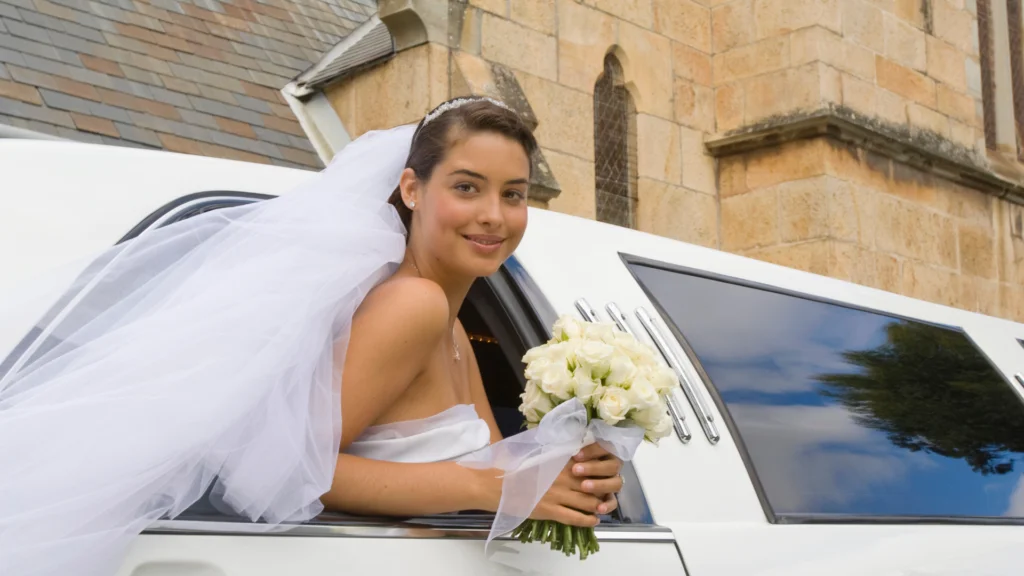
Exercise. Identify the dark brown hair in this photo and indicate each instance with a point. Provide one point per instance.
(431, 142)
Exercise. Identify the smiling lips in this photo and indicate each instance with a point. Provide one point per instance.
(484, 243)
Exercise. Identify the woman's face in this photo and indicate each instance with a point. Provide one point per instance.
(471, 214)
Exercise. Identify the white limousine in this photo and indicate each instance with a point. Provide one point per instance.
(822, 427)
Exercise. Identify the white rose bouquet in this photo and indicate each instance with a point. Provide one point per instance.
(622, 386)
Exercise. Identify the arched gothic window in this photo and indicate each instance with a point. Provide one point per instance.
(614, 147)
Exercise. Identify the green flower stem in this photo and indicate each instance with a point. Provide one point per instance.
(569, 540)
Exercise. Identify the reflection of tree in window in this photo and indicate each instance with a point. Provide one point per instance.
(929, 389)
(614, 147)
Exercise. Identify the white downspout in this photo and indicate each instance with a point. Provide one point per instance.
(319, 121)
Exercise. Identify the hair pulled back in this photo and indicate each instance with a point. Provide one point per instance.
(432, 140)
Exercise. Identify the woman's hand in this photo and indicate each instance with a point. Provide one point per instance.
(585, 488)
(599, 470)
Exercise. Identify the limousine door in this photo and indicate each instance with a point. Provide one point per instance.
(835, 429)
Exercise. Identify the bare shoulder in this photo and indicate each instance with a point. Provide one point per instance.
(412, 306)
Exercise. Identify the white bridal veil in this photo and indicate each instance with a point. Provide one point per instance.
(201, 353)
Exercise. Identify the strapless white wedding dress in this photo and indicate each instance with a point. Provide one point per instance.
(443, 437)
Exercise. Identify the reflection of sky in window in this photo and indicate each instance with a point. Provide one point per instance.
(762, 351)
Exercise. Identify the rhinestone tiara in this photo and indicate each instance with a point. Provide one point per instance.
(456, 103)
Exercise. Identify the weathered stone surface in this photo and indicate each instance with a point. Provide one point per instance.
(852, 263)
(519, 47)
(729, 107)
(639, 12)
(690, 64)
(803, 209)
(760, 57)
(863, 24)
(564, 116)
(794, 161)
(905, 82)
(576, 179)
(775, 17)
(783, 92)
(947, 63)
(684, 21)
(750, 220)
(695, 105)
(658, 149)
(648, 66)
(905, 43)
(584, 37)
(536, 14)
(678, 213)
(732, 25)
(698, 165)
(810, 256)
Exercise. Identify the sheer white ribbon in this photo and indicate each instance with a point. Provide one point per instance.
(206, 352)
(533, 459)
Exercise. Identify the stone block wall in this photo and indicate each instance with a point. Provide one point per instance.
(841, 137)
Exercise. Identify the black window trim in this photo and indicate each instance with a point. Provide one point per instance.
(184, 206)
(629, 260)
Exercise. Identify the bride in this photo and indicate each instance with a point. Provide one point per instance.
(209, 354)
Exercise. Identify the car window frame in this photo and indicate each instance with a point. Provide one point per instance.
(629, 260)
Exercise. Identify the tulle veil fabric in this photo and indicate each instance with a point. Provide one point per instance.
(204, 353)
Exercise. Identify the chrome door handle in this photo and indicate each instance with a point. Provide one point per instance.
(696, 402)
(675, 412)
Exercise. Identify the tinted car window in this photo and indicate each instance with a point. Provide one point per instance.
(844, 412)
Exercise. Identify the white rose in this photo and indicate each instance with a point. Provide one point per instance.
(559, 353)
(642, 394)
(661, 429)
(603, 331)
(663, 378)
(557, 381)
(536, 352)
(613, 405)
(621, 371)
(570, 351)
(637, 352)
(655, 421)
(596, 356)
(535, 369)
(535, 402)
(567, 328)
(588, 390)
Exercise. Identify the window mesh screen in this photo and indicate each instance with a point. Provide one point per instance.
(614, 148)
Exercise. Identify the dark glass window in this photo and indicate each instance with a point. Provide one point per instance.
(615, 164)
(847, 414)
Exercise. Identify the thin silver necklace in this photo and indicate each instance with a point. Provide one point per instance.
(455, 345)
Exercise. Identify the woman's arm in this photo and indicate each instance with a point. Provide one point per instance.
(364, 486)
(393, 334)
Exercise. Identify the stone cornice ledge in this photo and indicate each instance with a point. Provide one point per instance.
(921, 149)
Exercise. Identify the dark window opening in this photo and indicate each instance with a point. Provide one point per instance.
(849, 415)
(615, 156)
(988, 87)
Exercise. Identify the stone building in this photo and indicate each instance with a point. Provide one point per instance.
(870, 140)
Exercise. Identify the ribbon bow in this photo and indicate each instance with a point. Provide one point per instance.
(533, 459)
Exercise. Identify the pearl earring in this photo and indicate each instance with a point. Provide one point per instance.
(412, 204)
